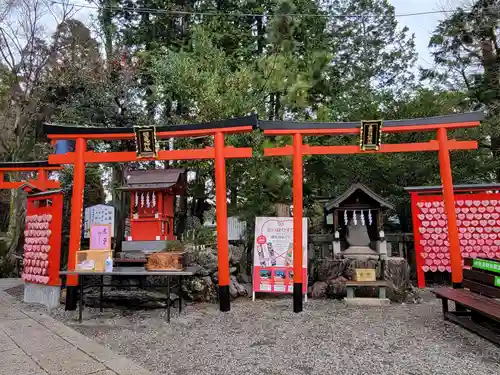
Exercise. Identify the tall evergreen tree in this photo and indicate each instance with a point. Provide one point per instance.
(466, 51)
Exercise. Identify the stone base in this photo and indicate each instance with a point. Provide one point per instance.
(43, 294)
(357, 301)
(331, 275)
(130, 299)
(360, 253)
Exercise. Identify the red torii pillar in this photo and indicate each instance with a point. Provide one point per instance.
(449, 204)
(439, 124)
(219, 153)
(75, 229)
(298, 180)
(221, 218)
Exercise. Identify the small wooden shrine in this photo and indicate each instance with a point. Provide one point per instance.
(152, 199)
(356, 219)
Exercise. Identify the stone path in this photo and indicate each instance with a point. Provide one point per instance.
(32, 343)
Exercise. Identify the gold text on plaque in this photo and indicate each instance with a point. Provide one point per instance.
(370, 134)
(145, 141)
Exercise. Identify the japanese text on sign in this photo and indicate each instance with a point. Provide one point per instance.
(145, 138)
(486, 265)
(370, 134)
(100, 237)
(273, 254)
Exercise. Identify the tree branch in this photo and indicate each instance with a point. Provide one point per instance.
(4, 145)
(12, 63)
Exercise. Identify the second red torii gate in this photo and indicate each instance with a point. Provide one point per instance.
(438, 124)
(41, 168)
(219, 152)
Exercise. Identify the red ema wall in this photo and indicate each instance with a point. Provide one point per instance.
(478, 221)
(42, 239)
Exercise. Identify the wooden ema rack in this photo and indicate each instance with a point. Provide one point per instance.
(42, 244)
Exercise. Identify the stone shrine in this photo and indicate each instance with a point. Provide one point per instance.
(356, 219)
(358, 239)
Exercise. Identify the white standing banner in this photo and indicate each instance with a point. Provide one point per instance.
(273, 255)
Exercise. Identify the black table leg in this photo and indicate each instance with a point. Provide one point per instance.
(168, 299)
(71, 295)
(444, 301)
(81, 299)
(180, 294)
(102, 292)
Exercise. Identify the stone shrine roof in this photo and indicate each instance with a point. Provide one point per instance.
(337, 203)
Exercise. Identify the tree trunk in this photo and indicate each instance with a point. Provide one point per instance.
(182, 216)
(282, 209)
(106, 19)
(233, 196)
(16, 220)
(200, 208)
(495, 149)
(271, 107)
(277, 107)
(260, 36)
(120, 204)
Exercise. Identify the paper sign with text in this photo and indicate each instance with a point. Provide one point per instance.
(98, 214)
(100, 237)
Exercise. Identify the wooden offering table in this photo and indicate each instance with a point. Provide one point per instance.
(134, 272)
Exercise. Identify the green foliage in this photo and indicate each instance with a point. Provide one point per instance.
(303, 68)
(467, 57)
(173, 246)
(202, 79)
(202, 236)
(179, 68)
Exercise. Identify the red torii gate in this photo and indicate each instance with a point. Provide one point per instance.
(219, 153)
(439, 124)
(41, 182)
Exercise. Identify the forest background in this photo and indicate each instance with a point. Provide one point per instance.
(175, 61)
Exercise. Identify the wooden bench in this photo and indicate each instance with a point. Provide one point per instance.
(476, 307)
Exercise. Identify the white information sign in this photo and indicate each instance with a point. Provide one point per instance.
(98, 214)
(273, 255)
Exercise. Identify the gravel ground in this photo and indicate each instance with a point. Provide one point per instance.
(266, 337)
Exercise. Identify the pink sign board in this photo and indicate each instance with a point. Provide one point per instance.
(100, 237)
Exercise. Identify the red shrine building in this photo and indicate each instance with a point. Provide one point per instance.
(152, 201)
